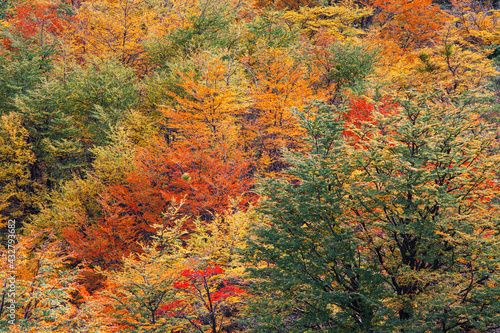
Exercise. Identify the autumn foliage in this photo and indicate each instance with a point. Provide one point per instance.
(200, 179)
(409, 23)
(40, 22)
(204, 300)
(230, 166)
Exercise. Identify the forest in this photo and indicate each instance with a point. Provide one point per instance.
(272, 166)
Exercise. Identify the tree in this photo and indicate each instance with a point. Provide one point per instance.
(342, 21)
(285, 4)
(73, 111)
(75, 204)
(207, 105)
(100, 97)
(17, 197)
(134, 295)
(460, 71)
(409, 24)
(476, 23)
(52, 133)
(21, 73)
(279, 84)
(112, 29)
(38, 285)
(193, 27)
(37, 21)
(340, 66)
(201, 177)
(150, 292)
(429, 211)
(393, 229)
(28, 46)
(313, 279)
(5, 7)
(204, 300)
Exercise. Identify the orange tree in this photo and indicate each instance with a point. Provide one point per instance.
(408, 23)
(280, 83)
(195, 174)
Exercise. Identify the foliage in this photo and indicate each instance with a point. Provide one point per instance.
(112, 29)
(269, 30)
(38, 22)
(5, 8)
(449, 69)
(135, 294)
(204, 25)
(279, 83)
(145, 293)
(409, 23)
(387, 231)
(17, 197)
(136, 136)
(200, 177)
(340, 66)
(42, 286)
(203, 300)
(52, 133)
(207, 104)
(28, 44)
(342, 21)
(99, 97)
(285, 4)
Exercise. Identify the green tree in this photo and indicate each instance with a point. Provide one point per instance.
(99, 96)
(390, 223)
(313, 278)
(201, 26)
(4, 8)
(21, 71)
(52, 133)
(28, 44)
(73, 111)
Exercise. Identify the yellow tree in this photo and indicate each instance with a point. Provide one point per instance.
(476, 23)
(148, 292)
(446, 66)
(285, 4)
(342, 21)
(133, 294)
(17, 198)
(280, 83)
(112, 28)
(206, 105)
(449, 67)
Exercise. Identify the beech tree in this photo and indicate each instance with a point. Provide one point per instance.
(52, 132)
(42, 286)
(17, 199)
(153, 290)
(390, 224)
(112, 29)
(197, 175)
(342, 21)
(203, 301)
(28, 45)
(207, 104)
(279, 83)
(409, 24)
